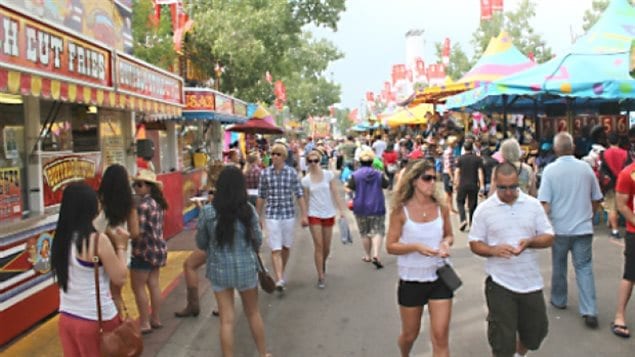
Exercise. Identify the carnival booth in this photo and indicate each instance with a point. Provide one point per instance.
(594, 78)
(414, 115)
(68, 104)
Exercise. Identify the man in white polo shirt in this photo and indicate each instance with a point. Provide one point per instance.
(507, 228)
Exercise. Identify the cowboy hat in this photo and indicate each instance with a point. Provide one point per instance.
(148, 176)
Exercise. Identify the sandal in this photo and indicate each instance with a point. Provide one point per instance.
(146, 331)
(377, 263)
(620, 330)
(215, 312)
(366, 259)
(156, 325)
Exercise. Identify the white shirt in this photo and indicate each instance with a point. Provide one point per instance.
(379, 146)
(496, 222)
(415, 266)
(320, 198)
(80, 298)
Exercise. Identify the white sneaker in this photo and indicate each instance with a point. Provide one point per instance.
(280, 286)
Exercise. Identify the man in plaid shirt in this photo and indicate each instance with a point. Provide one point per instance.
(278, 184)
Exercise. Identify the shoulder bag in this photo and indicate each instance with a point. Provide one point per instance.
(266, 281)
(123, 341)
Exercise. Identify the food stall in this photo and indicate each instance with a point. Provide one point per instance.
(65, 114)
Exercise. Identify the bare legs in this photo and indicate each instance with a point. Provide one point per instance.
(624, 294)
(322, 247)
(140, 279)
(249, 299)
(440, 312)
(279, 259)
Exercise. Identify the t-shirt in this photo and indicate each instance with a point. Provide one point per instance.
(615, 157)
(379, 146)
(348, 150)
(626, 185)
(320, 198)
(469, 164)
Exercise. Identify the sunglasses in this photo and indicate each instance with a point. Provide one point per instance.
(138, 184)
(507, 188)
(428, 178)
(276, 154)
(312, 161)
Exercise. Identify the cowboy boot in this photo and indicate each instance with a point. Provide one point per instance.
(192, 307)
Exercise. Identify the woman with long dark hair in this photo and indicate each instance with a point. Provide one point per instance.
(117, 212)
(72, 266)
(229, 232)
(149, 251)
(420, 234)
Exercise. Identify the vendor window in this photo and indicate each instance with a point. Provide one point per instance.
(13, 183)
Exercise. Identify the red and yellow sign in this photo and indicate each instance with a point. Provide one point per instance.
(27, 43)
(10, 196)
(142, 79)
(59, 171)
(199, 100)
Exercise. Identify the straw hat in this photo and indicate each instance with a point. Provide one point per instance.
(366, 156)
(148, 176)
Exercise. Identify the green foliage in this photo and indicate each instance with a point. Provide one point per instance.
(459, 63)
(342, 121)
(251, 37)
(152, 44)
(592, 15)
(517, 24)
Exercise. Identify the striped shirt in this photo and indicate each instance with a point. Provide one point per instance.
(496, 222)
(277, 188)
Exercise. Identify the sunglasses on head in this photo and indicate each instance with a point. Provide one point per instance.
(313, 161)
(428, 178)
(507, 188)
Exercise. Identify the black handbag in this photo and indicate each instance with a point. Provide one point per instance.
(449, 277)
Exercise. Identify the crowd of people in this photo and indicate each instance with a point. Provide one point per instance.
(510, 201)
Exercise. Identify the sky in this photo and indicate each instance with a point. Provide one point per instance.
(371, 34)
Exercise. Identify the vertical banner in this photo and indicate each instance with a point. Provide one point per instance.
(497, 5)
(10, 196)
(486, 10)
(445, 53)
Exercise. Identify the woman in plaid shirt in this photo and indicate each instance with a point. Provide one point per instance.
(149, 251)
(229, 232)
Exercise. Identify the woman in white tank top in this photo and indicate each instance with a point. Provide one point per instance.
(72, 265)
(420, 234)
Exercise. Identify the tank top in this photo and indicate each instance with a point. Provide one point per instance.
(415, 266)
(80, 297)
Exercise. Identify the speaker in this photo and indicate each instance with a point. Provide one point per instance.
(145, 149)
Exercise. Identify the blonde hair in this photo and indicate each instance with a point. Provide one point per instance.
(315, 152)
(280, 148)
(406, 188)
(510, 150)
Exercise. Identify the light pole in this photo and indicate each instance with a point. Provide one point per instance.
(218, 70)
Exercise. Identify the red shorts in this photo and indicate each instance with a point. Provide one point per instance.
(324, 222)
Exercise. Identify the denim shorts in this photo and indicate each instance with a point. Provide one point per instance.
(140, 264)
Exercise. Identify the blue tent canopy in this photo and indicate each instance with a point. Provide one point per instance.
(596, 68)
(214, 116)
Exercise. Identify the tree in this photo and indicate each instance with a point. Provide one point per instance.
(251, 37)
(592, 15)
(459, 63)
(152, 42)
(342, 122)
(517, 24)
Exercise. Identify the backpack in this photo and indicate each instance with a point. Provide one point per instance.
(605, 176)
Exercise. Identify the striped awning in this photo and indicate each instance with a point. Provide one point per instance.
(23, 83)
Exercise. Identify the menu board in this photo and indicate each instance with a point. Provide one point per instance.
(10, 193)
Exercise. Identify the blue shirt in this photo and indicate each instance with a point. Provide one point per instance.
(229, 266)
(569, 186)
(277, 188)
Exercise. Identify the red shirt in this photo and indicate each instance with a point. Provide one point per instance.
(389, 157)
(615, 158)
(626, 185)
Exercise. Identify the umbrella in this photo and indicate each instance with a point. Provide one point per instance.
(256, 126)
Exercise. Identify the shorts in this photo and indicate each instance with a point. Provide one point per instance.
(140, 264)
(280, 233)
(609, 201)
(417, 293)
(447, 183)
(511, 313)
(324, 222)
(371, 225)
(629, 257)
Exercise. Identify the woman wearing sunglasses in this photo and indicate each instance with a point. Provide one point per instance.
(420, 234)
(319, 187)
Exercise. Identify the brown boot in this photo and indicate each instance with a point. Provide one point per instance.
(192, 308)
